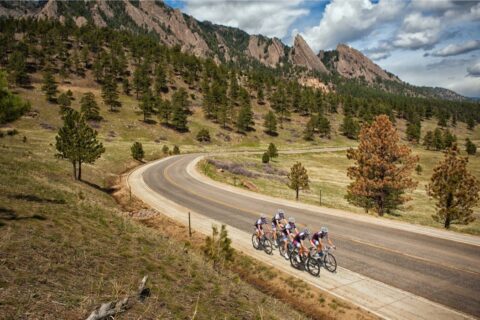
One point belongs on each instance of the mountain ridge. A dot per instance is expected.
(223, 44)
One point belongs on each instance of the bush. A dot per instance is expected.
(265, 157)
(176, 150)
(272, 151)
(165, 149)
(218, 247)
(203, 135)
(419, 169)
(137, 151)
(12, 132)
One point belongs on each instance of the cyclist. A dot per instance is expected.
(278, 222)
(298, 241)
(317, 238)
(259, 225)
(289, 231)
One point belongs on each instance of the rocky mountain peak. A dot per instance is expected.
(303, 55)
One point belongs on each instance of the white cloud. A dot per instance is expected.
(270, 18)
(345, 21)
(418, 31)
(474, 70)
(455, 49)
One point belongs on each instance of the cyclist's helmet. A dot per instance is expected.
(291, 220)
(281, 213)
(306, 231)
(324, 230)
(263, 217)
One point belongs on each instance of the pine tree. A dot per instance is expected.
(381, 173)
(471, 123)
(265, 157)
(89, 107)
(448, 139)
(272, 150)
(455, 190)
(270, 123)
(176, 149)
(428, 140)
(49, 86)
(309, 132)
(438, 142)
(165, 149)
(323, 126)
(350, 127)
(203, 135)
(147, 105)
(17, 69)
(126, 86)
(164, 110)
(161, 85)
(245, 118)
(298, 178)
(280, 104)
(414, 131)
(77, 142)
(180, 110)
(141, 79)
(64, 100)
(110, 93)
(137, 151)
(470, 147)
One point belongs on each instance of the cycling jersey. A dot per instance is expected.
(260, 222)
(290, 227)
(276, 219)
(301, 236)
(318, 236)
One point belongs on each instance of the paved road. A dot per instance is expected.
(443, 271)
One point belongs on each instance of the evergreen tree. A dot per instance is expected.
(49, 86)
(137, 151)
(470, 123)
(203, 135)
(438, 142)
(350, 127)
(298, 178)
(77, 142)
(265, 157)
(470, 147)
(180, 110)
(17, 69)
(141, 79)
(270, 123)
(280, 104)
(260, 96)
(176, 149)
(323, 126)
(126, 86)
(272, 150)
(165, 149)
(147, 105)
(309, 132)
(245, 118)
(164, 110)
(428, 140)
(161, 85)
(381, 173)
(11, 106)
(455, 190)
(414, 131)
(110, 93)
(64, 100)
(448, 139)
(89, 107)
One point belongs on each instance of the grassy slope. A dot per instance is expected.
(65, 248)
(327, 172)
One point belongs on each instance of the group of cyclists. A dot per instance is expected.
(289, 232)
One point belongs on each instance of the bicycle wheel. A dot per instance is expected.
(281, 249)
(255, 242)
(295, 260)
(267, 246)
(313, 267)
(330, 262)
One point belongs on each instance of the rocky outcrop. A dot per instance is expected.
(302, 55)
(351, 63)
(270, 52)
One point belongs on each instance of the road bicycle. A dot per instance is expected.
(305, 262)
(326, 259)
(262, 243)
(281, 247)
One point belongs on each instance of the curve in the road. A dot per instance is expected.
(440, 270)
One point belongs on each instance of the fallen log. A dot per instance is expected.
(112, 308)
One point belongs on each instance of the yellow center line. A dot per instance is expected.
(170, 180)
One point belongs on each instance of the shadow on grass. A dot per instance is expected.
(34, 198)
(9, 214)
(108, 190)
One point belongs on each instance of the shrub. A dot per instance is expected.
(176, 150)
(203, 135)
(165, 149)
(265, 157)
(137, 151)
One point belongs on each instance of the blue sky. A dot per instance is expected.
(424, 42)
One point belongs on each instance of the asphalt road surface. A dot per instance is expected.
(440, 270)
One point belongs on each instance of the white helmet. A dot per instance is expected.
(306, 231)
(291, 220)
(324, 230)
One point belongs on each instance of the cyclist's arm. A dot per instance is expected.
(330, 242)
